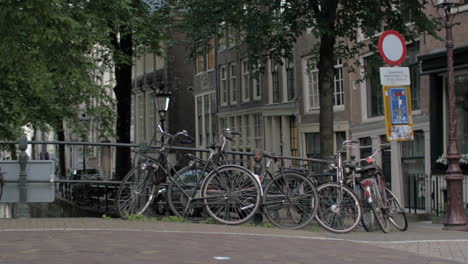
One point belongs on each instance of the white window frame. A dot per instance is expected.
(308, 105)
(256, 83)
(223, 85)
(311, 91)
(245, 81)
(338, 91)
(204, 140)
(233, 83)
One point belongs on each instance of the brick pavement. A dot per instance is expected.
(104, 241)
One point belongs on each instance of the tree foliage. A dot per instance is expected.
(270, 28)
(47, 68)
(53, 52)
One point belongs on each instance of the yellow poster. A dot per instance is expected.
(398, 114)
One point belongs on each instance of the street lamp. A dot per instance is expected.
(162, 98)
(455, 213)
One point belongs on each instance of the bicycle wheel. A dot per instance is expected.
(231, 194)
(396, 214)
(339, 208)
(181, 189)
(136, 192)
(290, 201)
(367, 219)
(378, 209)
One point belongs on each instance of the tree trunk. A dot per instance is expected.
(123, 77)
(33, 147)
(61, 150)
(13, 153)
(326, 74)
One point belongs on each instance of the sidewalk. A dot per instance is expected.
(72, 240)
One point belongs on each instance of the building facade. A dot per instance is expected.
(169, 71)
(277, 109)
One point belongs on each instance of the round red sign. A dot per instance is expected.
(392, 47)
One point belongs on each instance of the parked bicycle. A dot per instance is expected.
(231, 194)
(380, 205)
(339, 208)
(290, 200)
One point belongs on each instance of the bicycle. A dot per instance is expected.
(290, 200)
(380, 203)
(230, 193)
(291, 205)
(339, 209)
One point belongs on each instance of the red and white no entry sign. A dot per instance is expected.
(392, 47)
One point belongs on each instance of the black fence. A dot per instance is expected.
(428, 193)
(92, 195)
(97, 192)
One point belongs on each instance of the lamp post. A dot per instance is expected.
(455, 212)
(162, 99)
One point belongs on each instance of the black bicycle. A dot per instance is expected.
(229, 193)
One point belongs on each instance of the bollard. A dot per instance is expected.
(23, 207)
(257, 219)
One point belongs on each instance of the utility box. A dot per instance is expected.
(40, 176)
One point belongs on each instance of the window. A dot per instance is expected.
(290, 79)
(413, 148)
(232, 83)
(461, 93)
(205, 119)
(339, 138)
(312, 145)
(312, 87)
(211, 54)
(222, 124)
(151, 122)
(200, 120)
(247, 130)
(275, 83)
(245, 81)
(366, 148)
(313, 149)
(239, 128)
(213, 116)
(207, 115)
(386, 160)
(293, 142)
(258, 129)
(222, 37)
(223, 86)
(374, 89)
(200, 65)
(206, 60)
(232, 123)
(141, 118)
(411, 61)
(338, 83)
(256, 83)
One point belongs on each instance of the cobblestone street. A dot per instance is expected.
(72, 240)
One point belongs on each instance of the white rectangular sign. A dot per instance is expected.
(394, 76)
